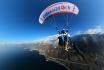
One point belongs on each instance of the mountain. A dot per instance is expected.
(87, 49)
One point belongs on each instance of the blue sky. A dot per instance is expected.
(19, 19)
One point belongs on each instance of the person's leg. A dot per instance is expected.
(66, 46)
(66, 43)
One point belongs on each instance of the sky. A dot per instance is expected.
(19, 19)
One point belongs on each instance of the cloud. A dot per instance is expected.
(49, 39)
(95, 30)
(78, 32)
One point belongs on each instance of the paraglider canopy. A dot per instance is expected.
(58, 8)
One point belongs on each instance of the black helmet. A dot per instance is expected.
(63, 31)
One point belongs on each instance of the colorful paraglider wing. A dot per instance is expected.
(58, 8)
